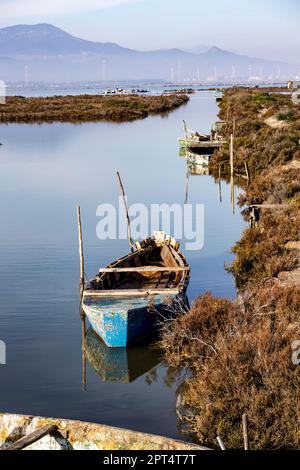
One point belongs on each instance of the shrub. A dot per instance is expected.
(240, 361)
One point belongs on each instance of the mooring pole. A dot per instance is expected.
(127, 214)
(221, 443)
(185, 131)
(247, 172)
(245, 432)
(81, 257)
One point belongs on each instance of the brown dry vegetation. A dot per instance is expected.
(239, 353)
(240, 358)
(262, 253)
(85, 108)
(256, 143)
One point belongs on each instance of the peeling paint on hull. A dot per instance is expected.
(120, 322)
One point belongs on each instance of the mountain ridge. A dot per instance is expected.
(46, 49)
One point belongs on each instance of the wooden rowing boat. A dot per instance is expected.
(19, 432)
(193, 140)
(125, 301)
(192, 143)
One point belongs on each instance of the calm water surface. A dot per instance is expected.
(45, 171)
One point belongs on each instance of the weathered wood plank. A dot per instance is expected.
(129, 292)
(33, 437)
(269, 206)
(143, 269)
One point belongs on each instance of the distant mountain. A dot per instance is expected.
(44, 52)
(197, 49)
(45, 40)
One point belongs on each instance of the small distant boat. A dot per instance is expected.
(219, 95)
(193, 140)
(206, 142)
(126, 300)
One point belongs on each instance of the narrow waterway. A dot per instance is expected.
(45, 171)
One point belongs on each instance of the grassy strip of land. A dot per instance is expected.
(266, 128)
(240, 353)
(87, 108)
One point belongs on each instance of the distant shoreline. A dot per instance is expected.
(86, 108)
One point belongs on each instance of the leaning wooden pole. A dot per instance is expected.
(81, 257)
(221, 443)
(185, 130)
(127, 213)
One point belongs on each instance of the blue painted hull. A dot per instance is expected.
(122, 322)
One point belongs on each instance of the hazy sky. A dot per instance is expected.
(261, 28)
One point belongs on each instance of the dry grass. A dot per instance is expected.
(240, 359)
(256, 143)
(239, 353)
(85, 108)
(262, 252)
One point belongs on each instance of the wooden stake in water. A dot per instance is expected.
(245, 432)
(127, 214)
(247, 172)
(221, 443)
(81, 281)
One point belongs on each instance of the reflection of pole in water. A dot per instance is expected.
(232, 171)
(187, 182)
(231, 155)
(232, 194)
(187, 164)
(220, 184)
(83, 337)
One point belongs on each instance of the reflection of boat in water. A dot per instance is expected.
(219, 95)
(198, 164)
(119, 364)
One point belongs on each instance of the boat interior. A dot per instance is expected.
(151, 267)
